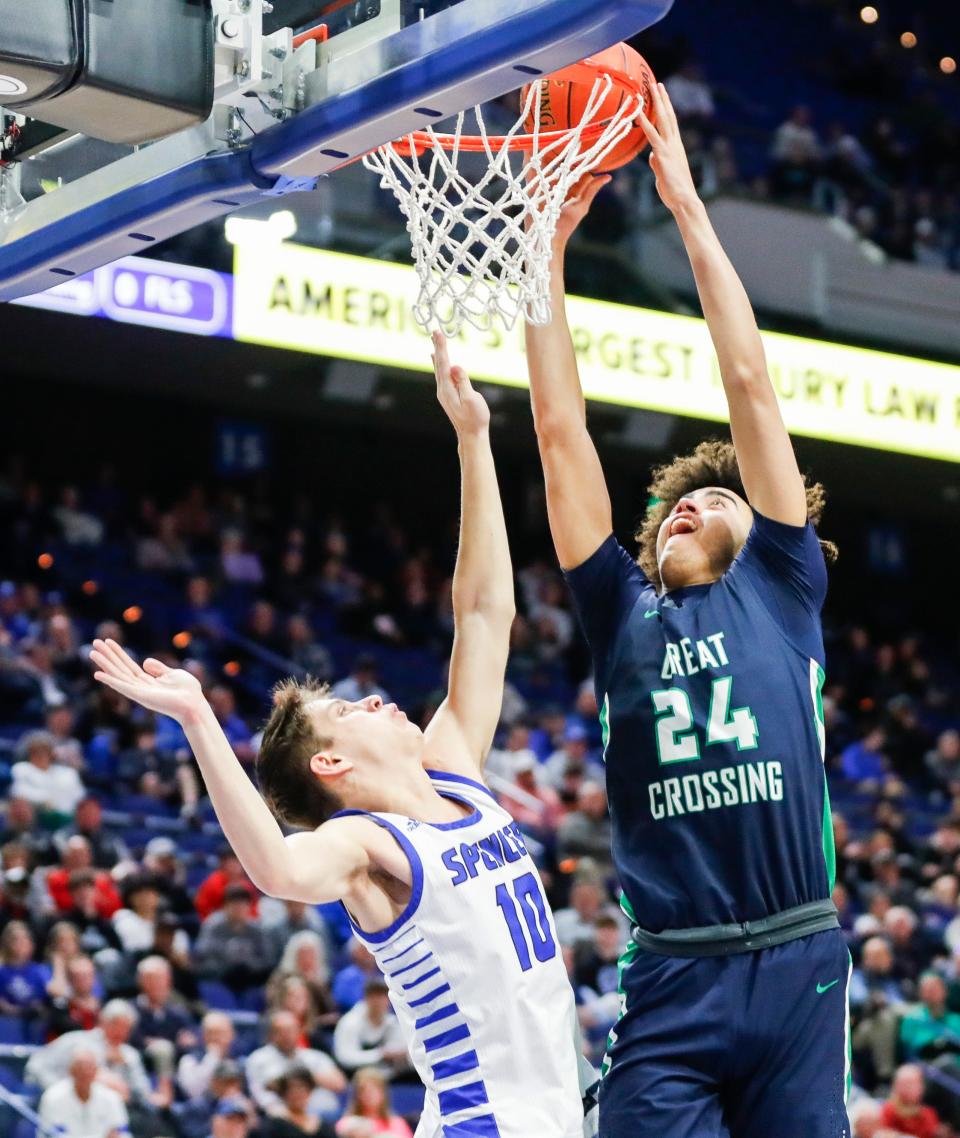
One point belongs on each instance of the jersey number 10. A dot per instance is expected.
(533, 908)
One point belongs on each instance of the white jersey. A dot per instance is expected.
(477, 978)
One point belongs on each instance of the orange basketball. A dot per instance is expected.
(564, 96)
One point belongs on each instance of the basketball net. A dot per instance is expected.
(482, 249)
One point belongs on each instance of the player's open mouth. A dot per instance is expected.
(682, 524)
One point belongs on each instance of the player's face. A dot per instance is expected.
(701, 536)
(368, 731)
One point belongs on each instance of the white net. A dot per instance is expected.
(482, 246)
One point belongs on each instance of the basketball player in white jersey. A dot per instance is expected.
(398, 825)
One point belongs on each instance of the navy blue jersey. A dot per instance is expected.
(713, 730)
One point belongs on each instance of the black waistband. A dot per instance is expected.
(726, 940)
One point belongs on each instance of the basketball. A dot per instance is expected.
(564, 97)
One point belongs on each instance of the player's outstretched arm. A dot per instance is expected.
(310, 867)
(578, 504)
(764, 451)
(462, 730)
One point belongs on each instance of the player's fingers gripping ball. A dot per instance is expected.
(564, 97)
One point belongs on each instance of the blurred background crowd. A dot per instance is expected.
(143, 981)
(131, 943)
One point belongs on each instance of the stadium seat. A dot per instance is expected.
(12, 1030)
(217, 995)
(406, 1098)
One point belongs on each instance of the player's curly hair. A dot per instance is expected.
(292, 792)
(712, 463)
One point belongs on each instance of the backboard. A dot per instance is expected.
(301, 88)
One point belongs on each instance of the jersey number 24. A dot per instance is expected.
(677, 739)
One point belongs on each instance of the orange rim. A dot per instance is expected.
(585, 71)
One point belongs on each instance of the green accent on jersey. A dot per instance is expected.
(626, 958)
(605, 723)
(848, 1082)
(821, 988)
(649, 613)
(829, 846)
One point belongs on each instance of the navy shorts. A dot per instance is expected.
(754, 1045)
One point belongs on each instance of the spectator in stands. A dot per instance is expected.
(135, 923)
(362, 681)
(943, 762)
(37, 661)
(283, 920)
(233, 946)
(162, 862)
(595, 978)
(369, 1113)
(904, 1111)
(23, 983)
(164, 551)
(231, 1118)
(196, 1069)
(74, 1000)
(796, 156)
(901, 926)
(350, 981)
(873, 979)
(929, 1029)
(304, 960)
(78, 526)
(293, 995)
(78, 856)
(21, 827)
(239, 564)
(171, 773)
(210, 895)
(876, 1002)
(864, 762)
(165, 1028)
(224, 705)
(536, 808)
(576, 923)
(293, 1117)
(95, 931)
(106, 849)
(54, 789)
(66, 747)
(227, 1082)
(120, 1064)
(585, 832)
(369, 1034)
(82, 1106)
(15, 895)
(573, 752)
(282, 1050)
(691, 96)
(171, 942)
(502, 760)
(305, 652)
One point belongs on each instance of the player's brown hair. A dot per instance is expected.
(293, 793)
(712, 463)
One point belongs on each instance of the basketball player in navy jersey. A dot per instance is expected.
(708, 658)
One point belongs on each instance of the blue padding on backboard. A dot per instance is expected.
(418, 68)
(128, 222)
(499, 45)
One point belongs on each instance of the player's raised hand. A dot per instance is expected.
(167, 691)
(465, 408)
(668, 158)
(577, 205)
